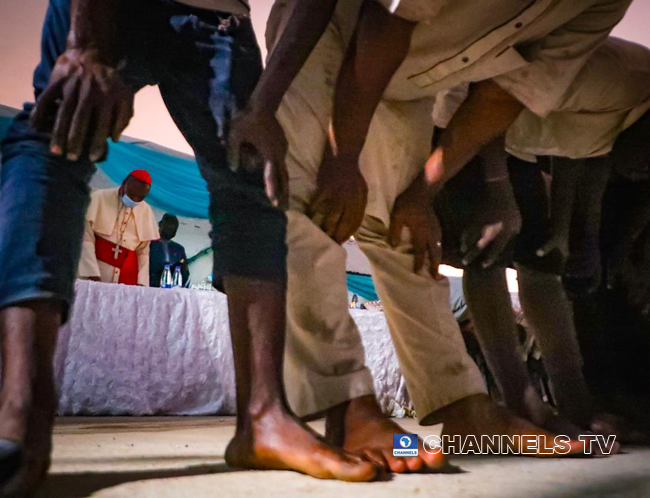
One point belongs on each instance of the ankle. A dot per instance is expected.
(16, 404)
(260, 412)
(363, 407)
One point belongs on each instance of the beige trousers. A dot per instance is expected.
(324, 363)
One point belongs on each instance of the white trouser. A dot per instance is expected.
(325, 362)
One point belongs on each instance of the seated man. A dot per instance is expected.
(119, 228)
(347, 168)
(599, 105)
(167, 252)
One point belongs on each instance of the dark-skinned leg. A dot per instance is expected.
(268, 435)
(221, 67)
(549, 313)
(486, 291)
(28, 398)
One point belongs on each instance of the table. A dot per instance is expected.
(130, 350)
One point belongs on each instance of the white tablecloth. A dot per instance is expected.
(143, 351)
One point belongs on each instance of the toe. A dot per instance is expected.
(397, 465)
(414, 464)
(377, 457)
(355, 469)
(434, 460)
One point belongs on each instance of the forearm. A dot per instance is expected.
(94, 26)
(485, 116)
(379, 45)
(307, 24)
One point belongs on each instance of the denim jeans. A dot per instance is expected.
(206, 65)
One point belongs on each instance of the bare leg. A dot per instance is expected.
(28, 398)
(583, 269)
(360, 427)
(486, 291)
(549, 312)
(268, 435)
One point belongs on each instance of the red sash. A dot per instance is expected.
(126, 261)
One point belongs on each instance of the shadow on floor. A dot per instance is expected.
(628, 486)
(80, 485)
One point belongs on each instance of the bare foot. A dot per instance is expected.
(278, 441)
(479, 416)
(626, 431)
(30, 429)
(34, 459)
(28, 398)
(359, 427)
(542, 415)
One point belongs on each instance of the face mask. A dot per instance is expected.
(128, 202)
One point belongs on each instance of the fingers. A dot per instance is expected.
(474, 250)
(275, 185)
(495, 250)
(471, 254)
(351, 219)
(331, 221)
(279, 156)
(395, 230)
(123, 115)
(546, 248)
(490, 233)
(234, 146)
(102, 130)
(46, 107)
(64, 117)
(419, 245)
(80, 121)
(434, 169)
(435, 256)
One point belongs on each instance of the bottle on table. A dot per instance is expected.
(355, 302)
(166, 281)
(178, 277)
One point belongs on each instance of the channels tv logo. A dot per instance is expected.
(405, 445)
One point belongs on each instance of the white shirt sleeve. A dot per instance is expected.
(556, 59)
(88, 266)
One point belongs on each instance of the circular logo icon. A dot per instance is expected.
(405, 441)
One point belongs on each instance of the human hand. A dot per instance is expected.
(496, 223)
(257, 142)
(339, 204)
(413, 211)
(559, 241)
(85, 103)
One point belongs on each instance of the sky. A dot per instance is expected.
(20, 26)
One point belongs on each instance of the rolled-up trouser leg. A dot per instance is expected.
(430, 348)
(43, 200)
(432, 355)
(325, 360)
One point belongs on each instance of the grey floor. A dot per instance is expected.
(183, 457)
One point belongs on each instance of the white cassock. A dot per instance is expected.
(115, 233)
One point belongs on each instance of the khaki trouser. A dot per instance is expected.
(325, 363)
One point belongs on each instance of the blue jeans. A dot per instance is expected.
(206, 65)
